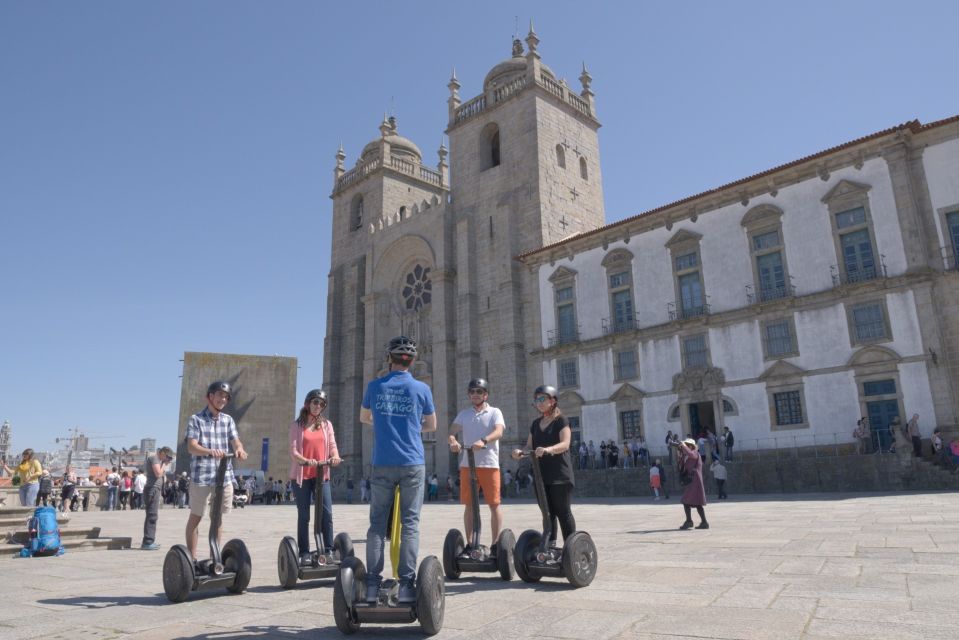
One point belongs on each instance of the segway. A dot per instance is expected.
(230, 568)
(350, 608)
(577, 561)
(291, 568)
(477, 558)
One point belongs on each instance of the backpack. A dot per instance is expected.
(114, 480)
(46, 484)
(44, 534)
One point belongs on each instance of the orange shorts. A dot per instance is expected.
(654, 482)
(488, 480)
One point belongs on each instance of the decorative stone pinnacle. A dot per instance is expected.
(385, 126)
(531, 40)
(454, 84)
(585, 79)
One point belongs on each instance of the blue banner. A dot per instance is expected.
(265, 458)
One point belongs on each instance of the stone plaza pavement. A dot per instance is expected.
(799, 566)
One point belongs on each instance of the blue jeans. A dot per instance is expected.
(112, 498)
(384, 480)
(304, 494)
(28, 494)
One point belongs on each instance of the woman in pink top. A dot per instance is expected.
(312, 442)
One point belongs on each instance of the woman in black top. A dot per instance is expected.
(549, 438)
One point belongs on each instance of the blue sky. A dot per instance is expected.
(165, 168)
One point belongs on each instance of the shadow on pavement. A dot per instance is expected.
(102, 602)
(498, 584)
(273, 631)
(642, 533)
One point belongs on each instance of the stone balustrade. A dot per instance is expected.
(500, 94)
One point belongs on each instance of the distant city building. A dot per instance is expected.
(263, 404)
(148, 445)
(6, 434)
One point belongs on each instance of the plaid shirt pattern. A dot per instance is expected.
(210, 433)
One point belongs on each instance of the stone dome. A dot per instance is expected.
(511, 68)
(399, 146)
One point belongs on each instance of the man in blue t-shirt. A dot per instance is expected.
(399, 408)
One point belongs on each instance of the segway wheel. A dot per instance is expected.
(452, 548)
(342, 546)
(504, 554)
(349, 586)
(236, 559)
(177, 573)
(525, 552)
(288, 562)
(580, 559)
(430, 596)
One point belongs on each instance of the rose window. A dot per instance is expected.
(418, 289)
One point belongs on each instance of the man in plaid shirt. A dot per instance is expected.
(209, 435)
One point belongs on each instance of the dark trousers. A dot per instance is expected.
(917, 446)
(721, 488)
(304, 494)
(151, 498)
(559, 504)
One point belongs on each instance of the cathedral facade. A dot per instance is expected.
(775, 305)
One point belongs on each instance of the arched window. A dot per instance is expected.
(560, 156)
(402, 213)
(489, 147)
(583, 172)
(356, 212)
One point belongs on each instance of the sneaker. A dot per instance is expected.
(703, 525)
(407, 594)
(372, 593)
(153, 546)
(306, 559)
(686, 525)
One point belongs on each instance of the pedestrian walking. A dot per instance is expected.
(670, 442)
(45, 488)
(719, 474)
(663, 480)
(654, 481)
(156, 466)
(728, 441)
(912, 429)
(113, 489)
(694, 493)
(139, 484)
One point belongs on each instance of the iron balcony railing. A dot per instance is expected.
(768, 294)
(678, 312)
(620, 324)
(853, 276)
(556, 337)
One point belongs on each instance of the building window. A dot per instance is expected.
(695, 352)
(564, 300)
(779, 338)
(356, 213)
(674, 413)
(788, 408)
(402, 213)
(568, 373)
(630, 424)
(763, 225)
(690, 297)
(489, 147)
(583, 171)
(868, 322)
(619, 277)
(624, 367)
(952, 238)
(560, 156)
(848, 204)
(879, 388)
(729, 407)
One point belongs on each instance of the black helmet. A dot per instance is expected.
(316, 394)
(402, 346)
(479, 383)
(545, 389)
(220, 385)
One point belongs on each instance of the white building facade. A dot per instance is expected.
(784, 306)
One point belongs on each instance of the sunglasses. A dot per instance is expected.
(477, 392)
(541, 398)
(319, 402)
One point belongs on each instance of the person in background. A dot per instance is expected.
(694, 495)
(156, 466)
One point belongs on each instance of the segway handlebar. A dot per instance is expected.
(319, 463)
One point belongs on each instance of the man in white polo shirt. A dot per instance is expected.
(482, 427)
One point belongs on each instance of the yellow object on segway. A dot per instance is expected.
(395, 528)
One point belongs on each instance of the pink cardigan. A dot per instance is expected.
(296, 446)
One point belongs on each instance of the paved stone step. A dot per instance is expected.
(19, 519)
(22, 536)
(79, 544)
